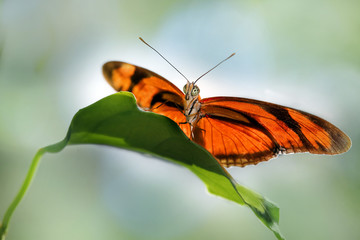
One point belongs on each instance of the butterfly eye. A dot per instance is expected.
(195, 91)
(185, 88)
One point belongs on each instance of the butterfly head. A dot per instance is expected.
(191, 91)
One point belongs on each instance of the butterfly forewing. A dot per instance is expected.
(152, 91)
(148, 87)
(261, 130)
(237, 131)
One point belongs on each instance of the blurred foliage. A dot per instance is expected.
(302, 54)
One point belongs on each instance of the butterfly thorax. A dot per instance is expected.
(192, 104)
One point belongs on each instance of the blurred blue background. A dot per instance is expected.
(303, 54)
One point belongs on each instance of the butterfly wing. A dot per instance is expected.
(152, 91)
(240, 131)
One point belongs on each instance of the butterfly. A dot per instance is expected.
(236, 131)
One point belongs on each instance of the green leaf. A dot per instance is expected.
(117, 121)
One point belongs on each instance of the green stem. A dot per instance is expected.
(27, 182)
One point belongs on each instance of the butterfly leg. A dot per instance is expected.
(279, 150)
(192, 131)
(158, 105)
(165, 102)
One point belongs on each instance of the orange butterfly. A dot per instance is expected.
(237, 131)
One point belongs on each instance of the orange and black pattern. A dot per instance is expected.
(262, 130)
(237, 131)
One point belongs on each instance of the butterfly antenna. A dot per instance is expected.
(163, 58)
(214, 67)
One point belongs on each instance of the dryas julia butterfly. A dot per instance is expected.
(236, 131)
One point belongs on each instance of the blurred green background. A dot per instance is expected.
(303, 54)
